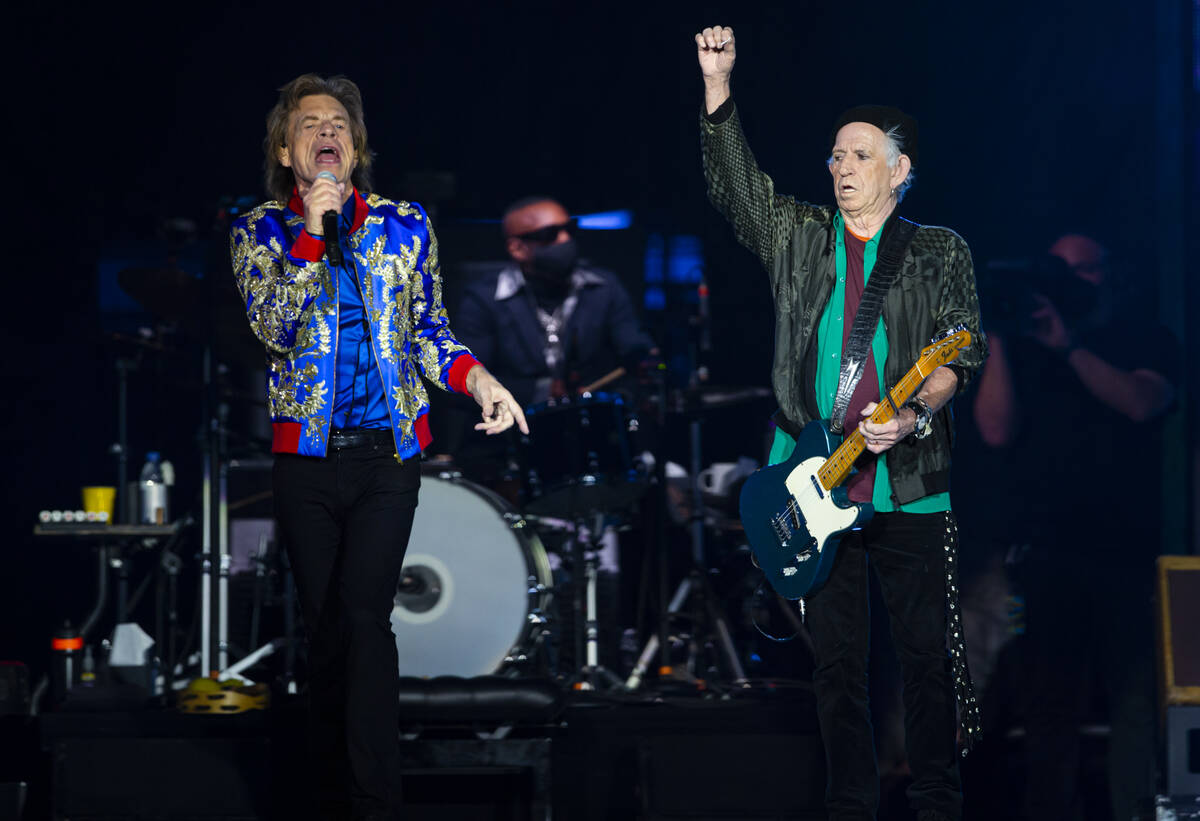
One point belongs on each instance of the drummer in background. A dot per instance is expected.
(551, 325)
(548, 323)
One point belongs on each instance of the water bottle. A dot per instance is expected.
(152, 491)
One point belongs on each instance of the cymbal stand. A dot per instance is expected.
(215, 558)
(695, 582)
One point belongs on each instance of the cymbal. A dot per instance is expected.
(177, 295)
(153, 344)
(715, 396)
(711, 397)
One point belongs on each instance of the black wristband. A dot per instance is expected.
(722, 113)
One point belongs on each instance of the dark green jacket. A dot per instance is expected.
(934, 292)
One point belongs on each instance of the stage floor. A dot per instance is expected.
(751, 754)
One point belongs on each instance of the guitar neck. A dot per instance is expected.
(838, 466)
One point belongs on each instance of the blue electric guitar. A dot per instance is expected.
(795, 512)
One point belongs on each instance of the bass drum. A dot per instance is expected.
(472, 585)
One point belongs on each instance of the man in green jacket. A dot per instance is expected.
(820, 259)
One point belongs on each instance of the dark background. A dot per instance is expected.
(1036, 118)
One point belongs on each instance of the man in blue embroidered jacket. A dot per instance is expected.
(348, 339)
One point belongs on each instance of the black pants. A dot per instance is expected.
(908, 553)
(345, 520)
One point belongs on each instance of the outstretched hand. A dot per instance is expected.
(499, 409)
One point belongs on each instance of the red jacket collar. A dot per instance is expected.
(296, 205)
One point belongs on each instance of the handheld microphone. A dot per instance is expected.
(329, 227)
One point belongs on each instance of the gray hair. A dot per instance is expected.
(895, 147)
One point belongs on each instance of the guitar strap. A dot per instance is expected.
(870, 308)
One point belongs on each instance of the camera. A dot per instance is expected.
(1009, 291)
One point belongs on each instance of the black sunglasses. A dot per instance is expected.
(547, 234)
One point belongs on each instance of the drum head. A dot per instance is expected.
(464, 601)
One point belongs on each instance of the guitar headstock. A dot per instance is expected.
(944, 348)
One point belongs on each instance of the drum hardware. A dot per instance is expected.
(692, 403)
(193, 302)
(205, 309)
(651, 649)
(693, 586)
(578, 456)
(579, 469)
(257, 568)
(592, 675)
(705, 398)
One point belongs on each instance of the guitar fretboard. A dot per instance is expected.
(838, 466)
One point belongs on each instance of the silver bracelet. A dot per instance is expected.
(922, 427)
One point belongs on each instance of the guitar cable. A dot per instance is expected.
(761, 602)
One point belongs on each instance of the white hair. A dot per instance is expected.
(895, 147)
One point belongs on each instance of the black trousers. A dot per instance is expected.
(908, 553)
(345, 520)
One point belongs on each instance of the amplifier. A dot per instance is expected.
(1178, 644)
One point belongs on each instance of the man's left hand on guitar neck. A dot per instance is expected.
(936, 391)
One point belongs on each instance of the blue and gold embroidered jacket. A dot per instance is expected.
(291, 300)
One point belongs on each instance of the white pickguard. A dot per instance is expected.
(821, 516)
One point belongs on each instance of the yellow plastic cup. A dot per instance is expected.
(100, 500)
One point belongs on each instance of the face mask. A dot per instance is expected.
(555, 261)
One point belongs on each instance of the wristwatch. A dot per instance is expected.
(924, 417)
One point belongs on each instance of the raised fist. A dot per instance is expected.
(716, 50)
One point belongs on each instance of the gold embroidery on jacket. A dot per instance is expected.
(403, 209)
(273, 290)
(435, 344)
(395, 271)
(403, 303)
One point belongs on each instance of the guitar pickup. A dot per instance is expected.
(804, 556)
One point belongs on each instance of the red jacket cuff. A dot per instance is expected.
(308, 247)
(457, 378)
